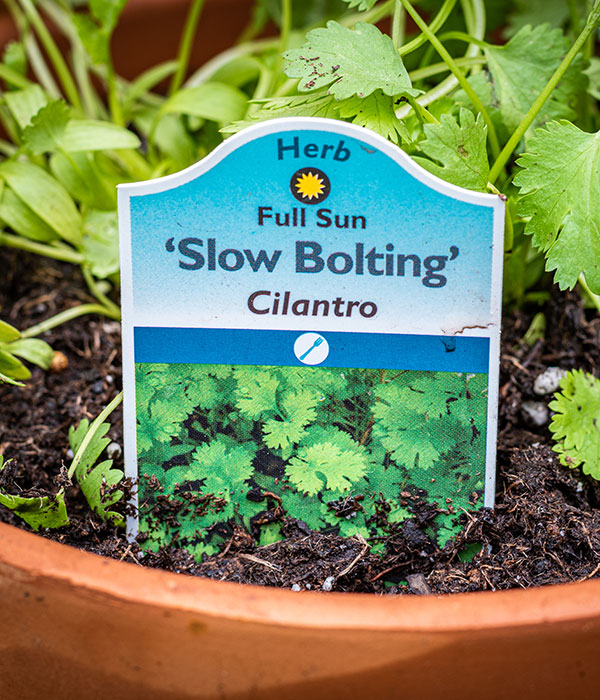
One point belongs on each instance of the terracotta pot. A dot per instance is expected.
(75, 625)
(79, 626)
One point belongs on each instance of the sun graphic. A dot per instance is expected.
(310, 185)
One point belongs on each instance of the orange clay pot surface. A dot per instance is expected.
(82, 627)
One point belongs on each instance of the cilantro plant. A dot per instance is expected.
(337, 448)
(497, 97)
(575, 425)
(98, 482)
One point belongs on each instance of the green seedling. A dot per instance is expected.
(12, 347)
(575, 425)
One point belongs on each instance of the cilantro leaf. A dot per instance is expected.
(95, 32)
(36, 511)
(375, 112)
(575, 425)
(97, 481)
(534, 12)
(353, 61)
(318, 105)
(47, 127)
(519, 70)
(457, 149)
(363, 5)
(560, 190)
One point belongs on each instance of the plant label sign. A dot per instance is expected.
(311, 329)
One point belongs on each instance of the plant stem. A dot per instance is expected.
(594, 298)
(528, 119)
(286, 26)
(435, 68)
(423, 115)
(92, 430)
(13, 78)
(53, 52)
(447, 58)
(66, 316)
(463, 36)
(436, 23)
(96, 291)
(65, 254)
(185, 46)
(398, 24)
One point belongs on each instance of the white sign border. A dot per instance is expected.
(281, 125)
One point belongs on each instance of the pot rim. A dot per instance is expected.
(27, 557)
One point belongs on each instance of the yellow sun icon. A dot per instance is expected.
(310, 185)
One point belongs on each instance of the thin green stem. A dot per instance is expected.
(62, 70)
(436, 23)
(114, 103)
(284, 37)
(535, 108)
(91, 433)
(398, 24)
(436, 68)
(447, 58)
(11, 241)
(423, 115)
(38, 65)
(97, 292)
(66, 316)
(185, 46)
(574, 17)
(463, 36)
(13, 78)
(594, 298)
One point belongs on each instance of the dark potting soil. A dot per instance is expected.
(544, 529)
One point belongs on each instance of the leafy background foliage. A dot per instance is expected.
(216, 442)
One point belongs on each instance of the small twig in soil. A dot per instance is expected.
(591, 574)
(256, 560)
(357, 558)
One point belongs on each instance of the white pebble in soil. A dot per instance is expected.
(547, 382)
(296, 587)
(328, 584)
(535, 412)
(114, 451)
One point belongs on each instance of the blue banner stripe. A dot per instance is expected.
(269, 347)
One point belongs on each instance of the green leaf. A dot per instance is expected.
(37, 511)
(9, 380)
(97, 481)
(101, 243)
(89, 135)
(25, 104)
(46, 197)
(362, 5)
(575, 425)
(33, 350)
(353, 61)
(22, 220)
(215, 101)
(11, 367)
(82, 179)
(535, 12)
(321, 105)
(95, 33)
(457, 150)
(47, 128)
(560, 189)
(15, 57)
(375, 112)
(519, 71)
(8, 333)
